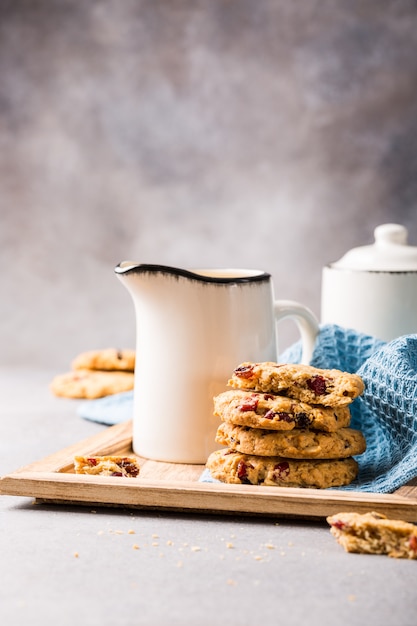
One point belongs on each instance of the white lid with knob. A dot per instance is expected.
(389, 253)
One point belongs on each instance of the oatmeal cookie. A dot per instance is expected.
(91, 384)
(107, 465)
(302, 382)
(230, 466)
(108, 359)
(273, 412)
(373, 533)
(293, 444)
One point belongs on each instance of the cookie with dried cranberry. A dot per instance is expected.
(230, 466)
(108, 359)
(273, 412)
(373, 533)
(107, 466)
(329, 387)
(90, 384)
(294, 444)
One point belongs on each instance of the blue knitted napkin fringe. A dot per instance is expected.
(386, 413)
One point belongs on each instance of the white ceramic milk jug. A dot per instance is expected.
(373, 289)
(193, 328)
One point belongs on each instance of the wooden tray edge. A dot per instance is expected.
(45, 481)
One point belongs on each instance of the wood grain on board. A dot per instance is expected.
(171, 486)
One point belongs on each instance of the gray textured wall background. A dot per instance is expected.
(268, 134)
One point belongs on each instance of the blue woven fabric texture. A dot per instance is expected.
(109, 410)
(386, 413)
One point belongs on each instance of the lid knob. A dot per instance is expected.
(391, 234)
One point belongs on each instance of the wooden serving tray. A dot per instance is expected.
(170, 486)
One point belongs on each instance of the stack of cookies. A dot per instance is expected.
(287, 425)
(97, 373)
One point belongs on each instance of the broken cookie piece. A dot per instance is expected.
(107, 466)
(374, 533)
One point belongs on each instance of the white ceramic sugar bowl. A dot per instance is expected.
(373, 289)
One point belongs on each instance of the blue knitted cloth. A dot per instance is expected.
(109, 410)
(386, 413)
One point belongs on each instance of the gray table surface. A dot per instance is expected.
(65, 565)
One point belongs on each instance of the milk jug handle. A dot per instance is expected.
(306, 321)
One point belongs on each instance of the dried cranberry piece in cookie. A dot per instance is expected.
(303, 421)
(282, 416)
(413, 543)
(337, 523)
(244, 371)
(285, 417)
(130, 468)
(281, 471)
(242, 472)
(317, 384)
(251, 404)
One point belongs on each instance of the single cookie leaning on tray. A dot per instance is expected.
(294, 444)
(302, 382)
(108, 359)
(272, 412)
(373, 533)
(230, 466)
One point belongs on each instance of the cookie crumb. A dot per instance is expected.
(76, 555)
(231, 582)
(131, 532)
(195, 548)
(229, 545)
(135, 546)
